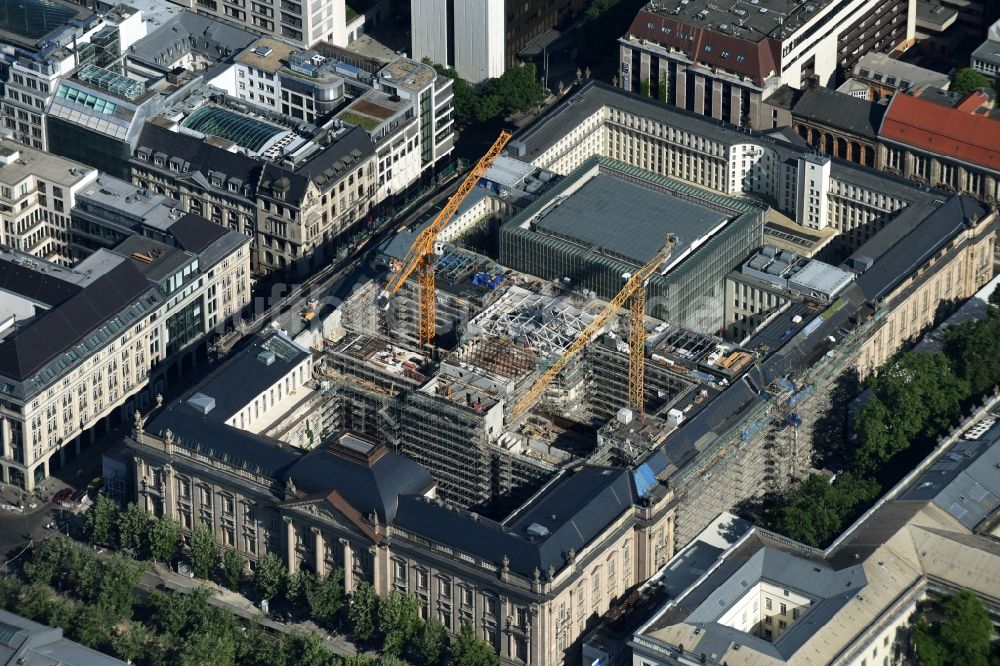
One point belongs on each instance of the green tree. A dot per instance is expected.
(463, 101)
(269, 576)
(398, 617)
(118, 580)
(92, 626)
(100, 520)
(35, 602)
(966, 628)
(307, 650)
(164, 539)
(429, 643)
(994, 298)
(326, 598)
(961, 637)
(363, 611)
(816, 510)
(974, 350)
(260, 649)
(966, 79)
(232, 565)
(644, 88)
(133, 525)
(52, 559)
(926, 646)
(133, 642)
(469, 650)
(298, 587)
(10, 591)
(204, 550)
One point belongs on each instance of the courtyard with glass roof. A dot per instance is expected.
(250, 133)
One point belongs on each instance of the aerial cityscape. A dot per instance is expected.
(496, 332)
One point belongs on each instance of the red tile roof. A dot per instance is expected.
(956, 133)
(757, 60)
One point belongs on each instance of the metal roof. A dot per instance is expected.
(627, 220)
(244, 131)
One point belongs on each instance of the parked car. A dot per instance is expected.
(63, 495)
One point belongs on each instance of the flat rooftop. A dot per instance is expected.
(408, 74)
(751, 20)
(31, 162)
(276, 58)
(627, 220)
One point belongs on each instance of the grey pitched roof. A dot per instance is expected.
(898, 249)
(194, 233)
(58, 329)
(186, 32)
(197, 432)
(29, 643)
(349, 149)
(377, 487)
(44, 288)
(584, 503)
(201, 157)
(964, 480)
(841, 110)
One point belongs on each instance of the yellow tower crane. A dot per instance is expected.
(634, 291)
(420, 257)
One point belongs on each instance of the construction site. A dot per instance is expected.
(525, 377)
(496, 379)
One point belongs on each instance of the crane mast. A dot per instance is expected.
(634, 292)
(420, 258)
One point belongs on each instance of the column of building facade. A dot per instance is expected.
(348, 566)
(320, 551)
(290, 544)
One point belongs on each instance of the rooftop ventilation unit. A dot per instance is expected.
(266, 357)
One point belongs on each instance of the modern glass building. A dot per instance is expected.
(33, 19)
(608, 218)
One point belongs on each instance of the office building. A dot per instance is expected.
(567, 235)
(301, 23)
(83, 347)
(527, 584)
(482, 38)
(723, 62)
(37, 191)
(944, 140)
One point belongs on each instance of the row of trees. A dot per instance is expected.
(912, 400)
(516, 90)
(93, 600)
(392, 626)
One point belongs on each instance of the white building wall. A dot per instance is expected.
(812, 201)
(479, 39)
(428, 25)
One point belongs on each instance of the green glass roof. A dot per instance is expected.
(98, 104)
(244, 131)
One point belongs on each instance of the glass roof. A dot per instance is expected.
(98, 104)
(242, 130)
(33, 18)
(116, 84)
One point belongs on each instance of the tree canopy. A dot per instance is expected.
(966, 79)
(469, 650)
(518, 89)
(961, 637)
